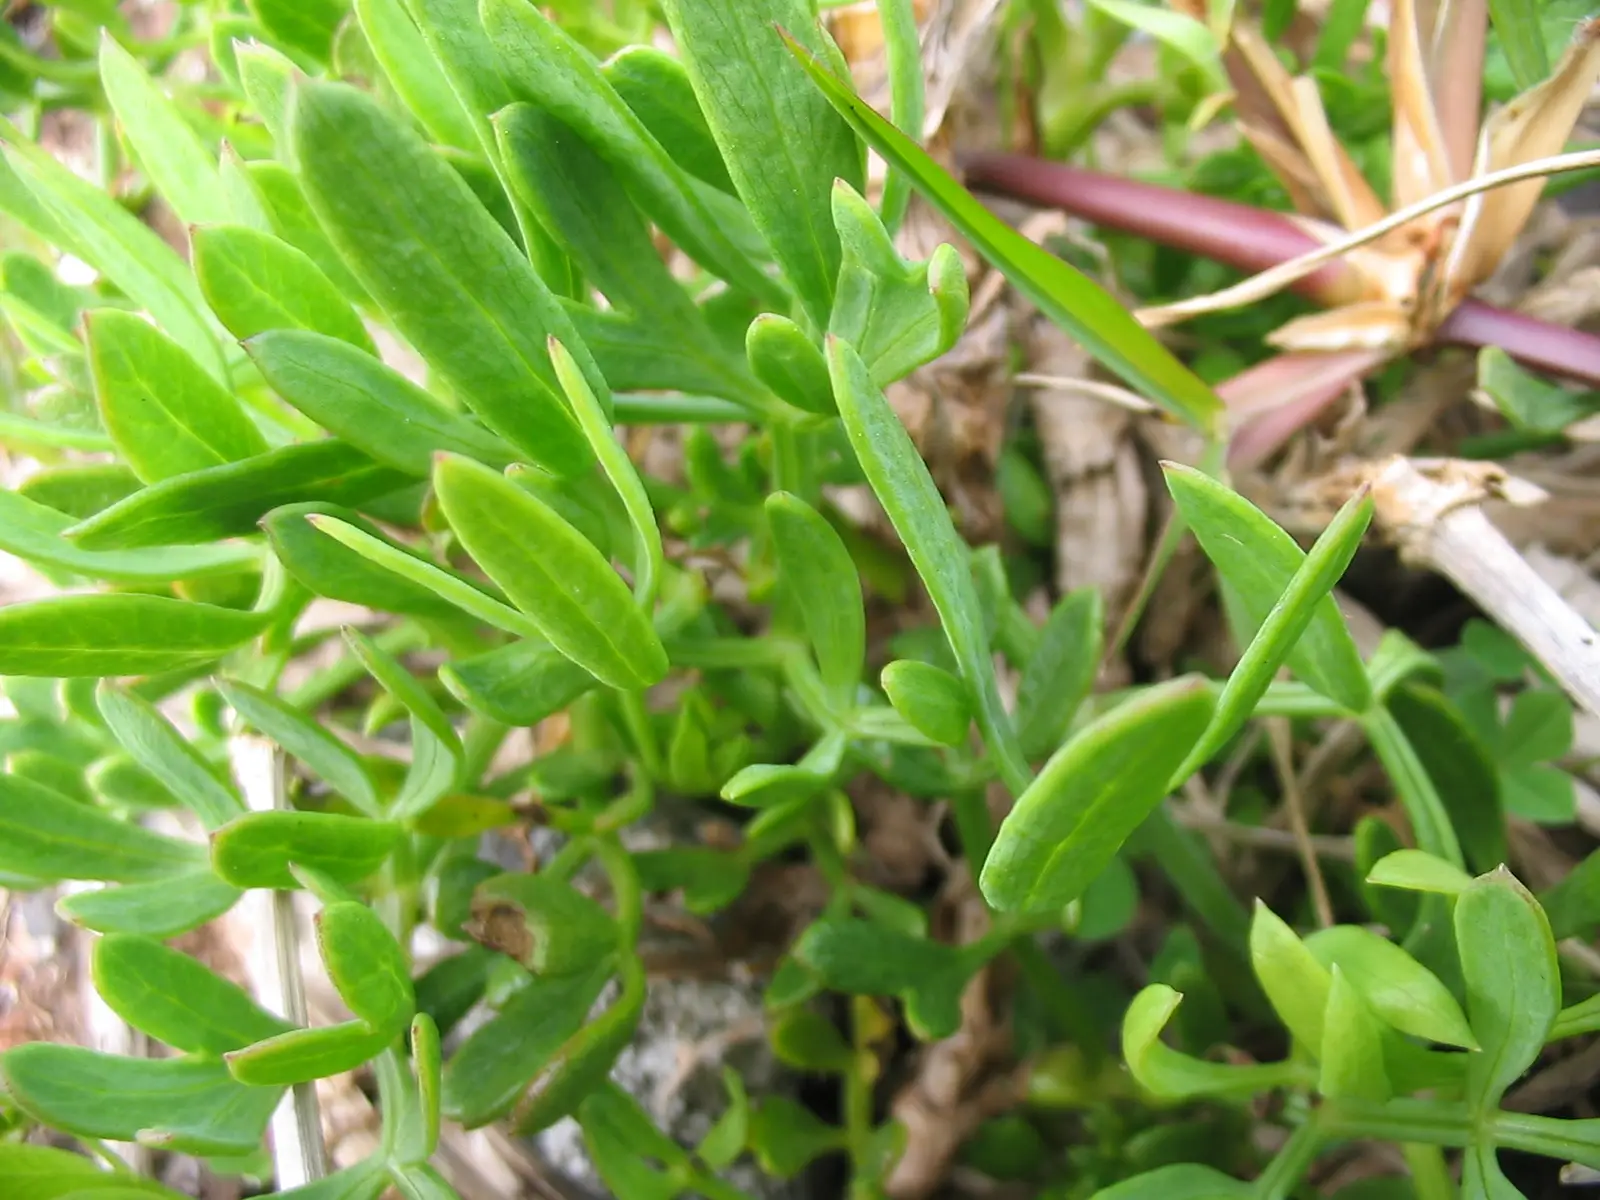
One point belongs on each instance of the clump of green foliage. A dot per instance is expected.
(222, 444)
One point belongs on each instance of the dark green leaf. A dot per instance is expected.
(256, 849)
(176, 1000)
(1538, 729)
(366, 966)
(906, 490)
(1091, 796)
(307, 26)
(255, 282)
(1462, 772)
(153, 743)
(552, 573)
(867, 959)
(166, 415)
(371, 406)
(328, 568)
(785, 1137)
(781, 142)
(544, 923)
(163, 908)
(436, 753)
(184, 1104)
(1513, 983)
(809, 1041)
(1073, 301)
(307, 739)
(544, 65)
(455, 286)
(484, 1078)
(1060, 672)
(1257, 560)
(43, 1173)
(1516, 25)
(79, 491)
(98, 636)
(229, 501)
(292, 220)
(520, 684)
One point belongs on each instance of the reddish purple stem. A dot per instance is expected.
(1254, 239)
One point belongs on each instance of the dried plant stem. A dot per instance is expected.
(1258, 837)
(1282, 745)
(1433, 512)
(1276, 278)
(297, 1151)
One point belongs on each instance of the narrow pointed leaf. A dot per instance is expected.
(255, 282)
(1061, 671)
(552, 573)
(292, 220)
(371, 406)
(172, 156)
(45, 836)
(906, 490)
(454, 284)
(1351, 1052)
(1091, 796)
(436, 754)
(1256, 560)
(103, 635)
(175, 998)
(1400, 989)
(1070, 299)
(657, 87)
(301, 1055)
(415, 74)
(35, 534)
(519, 685)
(230, 500)
(306, 739)
(153, 743)
(166, 415)
(821, 576)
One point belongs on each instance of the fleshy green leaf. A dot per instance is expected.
(1400, 989)
(932, 700)
(103, 635)
(307, 739)
(167, 148)
(366, 966)
(229, 501)
(184, 1104)
(552, 573)
(1073, 301)
(153, 743)
(1418, 871)
(175, 999)
(1351, 1054)
(255, 282)
(782, 144)
(545, 924)
(785, 1136)
(44, 1173)
(35, 533)
(455, 286)
(436, 754)
(544, 65)
(162, 908)
(79, 491)
(300, 1055)
(863, 958)
(788, 362)
(307, 26)
(1256, 560)
(1092, 794)
(901, 481)
(256, 849)
(292, 220)
(658, 89)
(1177, 1181)
(46, 836)
(519, 684)
(821, 578)
(1172, 1075)
(371, 406)
(484, 1078)
(414, 73)
(166, 415)
(1295, 982)
(1513, 982)
(1060, 671)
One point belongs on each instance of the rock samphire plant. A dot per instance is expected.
(431, 257)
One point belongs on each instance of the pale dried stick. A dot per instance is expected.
(1294, 805)
(1432, 510)
(298, 1155)
(1275, 279)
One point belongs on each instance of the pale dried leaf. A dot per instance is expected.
(1455, 74)
(1365, 325)
(1346, 190)
(1420, 162)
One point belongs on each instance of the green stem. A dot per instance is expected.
(1580, 1018)
(858, 1089)
(1186, 863)
(1572, 1141)
(625, 889)
(1434, 1122)
(1071, 124)
(1289, 1164)
(1430, 1176)
(643, 731)
(1420, 798)
(973, 827)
